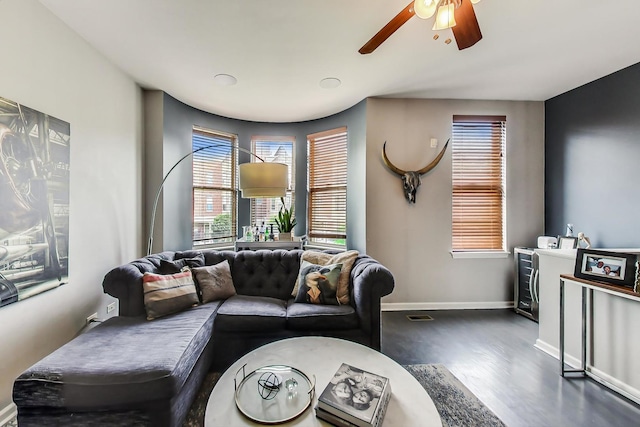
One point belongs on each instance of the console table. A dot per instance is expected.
(588, 288)
(241, 245)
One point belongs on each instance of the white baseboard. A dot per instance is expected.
(419, 306)
(8, 413)
(554, 352)
(596, 374)
(615, 384)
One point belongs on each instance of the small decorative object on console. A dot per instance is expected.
(583, 241)
(616, 268)
(567, 242)
(354, 398)
(569, 232)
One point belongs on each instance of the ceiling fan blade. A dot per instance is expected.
(388, 29)
(467, 31)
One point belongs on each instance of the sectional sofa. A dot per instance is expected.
(132, 371)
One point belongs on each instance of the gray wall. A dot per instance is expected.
(48, 67)
(173, 229)
(414, 240)
(592, 155)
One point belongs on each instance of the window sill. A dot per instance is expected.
(479, 254)
(325, 247)
(219, 247)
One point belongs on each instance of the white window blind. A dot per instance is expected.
(214, 187)
(275, 149)
(478, 164)
(327, 180)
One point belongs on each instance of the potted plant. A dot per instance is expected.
(285, 221)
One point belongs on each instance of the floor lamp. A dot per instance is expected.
(257, 179)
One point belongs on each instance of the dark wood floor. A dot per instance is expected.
(492, 353)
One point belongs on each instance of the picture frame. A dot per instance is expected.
(616, 268)
(567, 242)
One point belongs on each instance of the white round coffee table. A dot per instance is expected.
(320, 356)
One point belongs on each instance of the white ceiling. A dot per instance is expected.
(279, 50)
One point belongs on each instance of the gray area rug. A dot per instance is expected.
(458, 407)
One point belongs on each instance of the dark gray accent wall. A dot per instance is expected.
(174, 223)
(592, 160)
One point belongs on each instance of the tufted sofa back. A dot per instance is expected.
(255, 273)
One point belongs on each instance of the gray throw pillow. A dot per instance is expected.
(177, 265)
(214, 281)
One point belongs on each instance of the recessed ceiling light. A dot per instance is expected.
(330, 83)
(225, 79)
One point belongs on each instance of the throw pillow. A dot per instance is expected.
(214, 281)
(345, 258)
(318, 283)
(166, 294)
(176, 266)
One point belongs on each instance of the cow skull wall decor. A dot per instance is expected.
(411, 179)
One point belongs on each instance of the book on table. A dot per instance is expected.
(354, 398)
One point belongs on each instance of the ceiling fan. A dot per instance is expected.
(455, 14)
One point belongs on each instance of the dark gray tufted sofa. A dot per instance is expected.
(129, 371)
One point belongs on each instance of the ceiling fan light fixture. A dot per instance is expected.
(445, 17)
(425, 9)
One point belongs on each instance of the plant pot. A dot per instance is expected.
(285, 237)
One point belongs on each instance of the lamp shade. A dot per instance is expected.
(262, 179)
(425, 9)
(445, 18)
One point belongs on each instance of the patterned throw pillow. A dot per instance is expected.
(318, 283)
(177, 265)
(166, 294)
(345, 258)
(214, 281)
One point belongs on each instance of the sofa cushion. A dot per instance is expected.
(166, 294)
(316, 317)
(243, 313)
(123, 361)
(214, 282)
(265, 273)
(318, 283)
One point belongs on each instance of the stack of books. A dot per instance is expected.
(354, 398)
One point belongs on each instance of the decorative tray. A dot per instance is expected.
(273, 394)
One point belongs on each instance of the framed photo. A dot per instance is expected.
(616, 268)
(565, 242)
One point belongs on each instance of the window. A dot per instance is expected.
(478, 199)
(273, 149)
(214, 187)
(327, 178)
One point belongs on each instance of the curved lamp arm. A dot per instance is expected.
(155, 202)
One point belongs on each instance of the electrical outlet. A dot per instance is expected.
(94, 316)
(434, 142)
(111, 307)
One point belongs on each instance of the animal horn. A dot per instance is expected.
(388, 162)
(435, 161)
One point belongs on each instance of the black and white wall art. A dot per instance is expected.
(34, 202)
